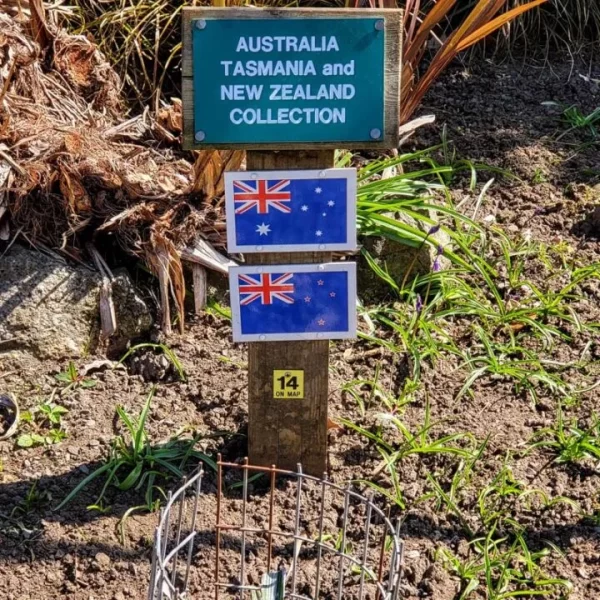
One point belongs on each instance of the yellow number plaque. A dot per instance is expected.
(288, 384)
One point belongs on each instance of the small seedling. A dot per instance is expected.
(45, 423)
(53, 412)
(576, 119)
(30, 440)
(32, 500)
(539, 177)
(73, 379)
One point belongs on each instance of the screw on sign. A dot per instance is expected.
(301, 82)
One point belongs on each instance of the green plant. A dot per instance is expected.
(498, 501)
(71, 377)
(33, 500)
(569, 442)
(539, 176)
(135, 463)
(421, 443)
(499, 559)
(508, 361)
(215, 308)
(508, 318)
(365, 392)
(44, 425)
(53, 412)
(576, 120)
(380, 200)
(504, 568)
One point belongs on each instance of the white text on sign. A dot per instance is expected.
(283, 92)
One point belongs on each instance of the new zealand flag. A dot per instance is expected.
(294, 302)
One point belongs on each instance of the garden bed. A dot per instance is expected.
(455, 490)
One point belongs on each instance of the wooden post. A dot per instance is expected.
(222, 111)
(293, 430)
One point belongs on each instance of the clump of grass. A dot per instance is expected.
(569, 441)
(499, 562)
(420, 443)
(498, 312)
(135, 463)
(141, 40)
(571, 25)
(502, 569)
(487, 295)
(577, 121)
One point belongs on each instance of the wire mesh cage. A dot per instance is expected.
(260, 533)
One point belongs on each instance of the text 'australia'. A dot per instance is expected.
(288, 43)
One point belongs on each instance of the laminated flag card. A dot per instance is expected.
(271, 211)
(293, 302)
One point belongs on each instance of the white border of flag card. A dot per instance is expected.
(293, 302)
(291, 211)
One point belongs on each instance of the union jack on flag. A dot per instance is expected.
(262, 195)
(266, 288)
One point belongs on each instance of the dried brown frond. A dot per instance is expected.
(74, 168)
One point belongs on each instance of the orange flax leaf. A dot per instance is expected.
(490, 10)
(441, 60)
(437, 13)
(457, 42)
(448, 49)
(411, 18)
(477, 17)
(449, 46)
(496, 23)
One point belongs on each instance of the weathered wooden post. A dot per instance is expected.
(290, 86)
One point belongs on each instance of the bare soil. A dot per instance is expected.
(494, 115)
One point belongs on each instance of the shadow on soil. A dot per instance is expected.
(27, 507)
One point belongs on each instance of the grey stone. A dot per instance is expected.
(399, 259)
(102, 561)
(133, 315)
(51, 309)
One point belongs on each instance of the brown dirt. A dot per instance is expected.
(494, 115)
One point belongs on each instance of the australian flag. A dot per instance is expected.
(288, 212)
(294, 300)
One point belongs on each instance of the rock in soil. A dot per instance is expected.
(51, 309)
(398, 260)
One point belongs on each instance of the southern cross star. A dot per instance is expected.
(263, 229)
(304, 208)
(307, 299)
(318, 190)
(318, 233)
(321, 322)
(331, 203)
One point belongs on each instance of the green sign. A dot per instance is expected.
(287, 80)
